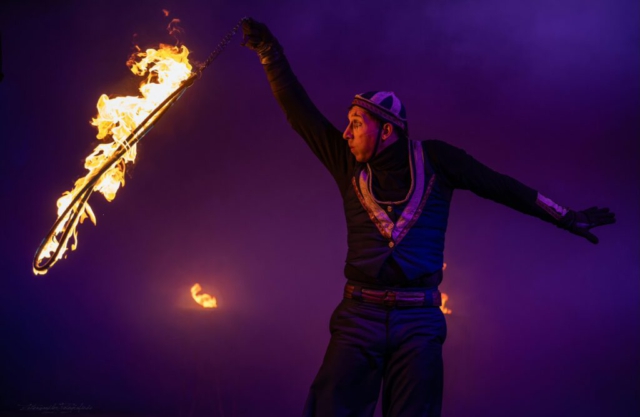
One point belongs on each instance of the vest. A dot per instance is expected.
(416, 239)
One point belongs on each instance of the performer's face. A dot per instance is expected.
(361, 133)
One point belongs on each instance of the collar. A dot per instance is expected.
(395, 157)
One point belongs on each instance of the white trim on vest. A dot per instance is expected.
(417, 197)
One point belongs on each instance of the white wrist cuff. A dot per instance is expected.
(555, 210)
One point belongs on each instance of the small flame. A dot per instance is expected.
(444, 296)
(165, 69)
(173, 28)
(205, 300)
(444, 309)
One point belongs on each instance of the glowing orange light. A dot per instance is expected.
(205, 300)
(444, 309)
(444, 296)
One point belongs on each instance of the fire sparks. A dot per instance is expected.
(205, 300)
(125, 120)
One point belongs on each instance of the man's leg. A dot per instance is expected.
(413, 376)
(348, 382)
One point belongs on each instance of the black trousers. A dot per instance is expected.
(400, 347)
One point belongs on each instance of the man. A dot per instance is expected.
(389, 329)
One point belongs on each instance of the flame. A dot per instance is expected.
(444, 309)
(205, 300)
(444, 296)
(173, 28)
(164, 69)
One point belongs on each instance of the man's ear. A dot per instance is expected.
(387, 131)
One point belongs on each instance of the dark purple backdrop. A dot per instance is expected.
(225, 194)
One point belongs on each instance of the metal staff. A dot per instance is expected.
(72, 215)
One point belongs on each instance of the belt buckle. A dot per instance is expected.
(390, 298)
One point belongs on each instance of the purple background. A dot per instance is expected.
(225, 194)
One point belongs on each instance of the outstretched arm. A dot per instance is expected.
(320, 135)
(461, 170)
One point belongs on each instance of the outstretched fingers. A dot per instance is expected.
(600, 216)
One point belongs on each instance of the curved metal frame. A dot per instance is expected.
(72, 214)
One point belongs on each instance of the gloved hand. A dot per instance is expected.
(580, 222)
(258, 37)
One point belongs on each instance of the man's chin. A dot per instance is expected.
(359, 157)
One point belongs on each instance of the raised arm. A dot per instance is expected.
(461, 170)
(322, 137)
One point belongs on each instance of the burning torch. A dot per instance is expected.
(126, 120)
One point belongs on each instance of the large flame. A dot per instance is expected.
(164, 69)
(205, 300)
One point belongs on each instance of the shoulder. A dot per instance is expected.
(437, 145)
(440, 152)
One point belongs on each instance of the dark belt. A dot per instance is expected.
(393, 298)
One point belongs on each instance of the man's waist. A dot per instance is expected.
(391, 276)
(392, 297)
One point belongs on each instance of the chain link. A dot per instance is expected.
(222, 45)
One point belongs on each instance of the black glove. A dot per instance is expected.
(258, 37)
(580, 222)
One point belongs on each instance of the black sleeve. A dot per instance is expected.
(460, 170)
(320, 135)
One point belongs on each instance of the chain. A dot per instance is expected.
(222, 45)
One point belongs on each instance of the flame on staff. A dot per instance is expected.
(124, 120)
(205, 300)
(166, 68)
(170, 70)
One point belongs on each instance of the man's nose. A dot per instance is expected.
(347, 133)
